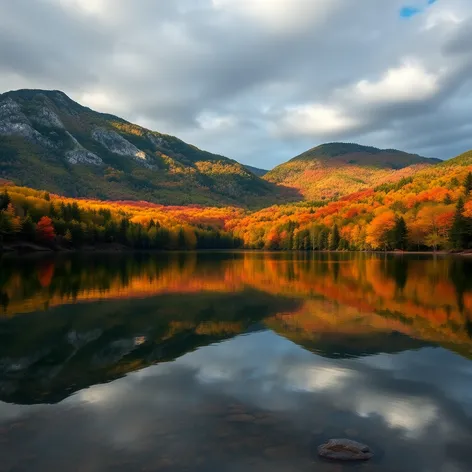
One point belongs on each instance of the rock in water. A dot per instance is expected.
(345, 450)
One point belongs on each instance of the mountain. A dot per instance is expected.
(336, 169)
(256, 170)
(48, 141)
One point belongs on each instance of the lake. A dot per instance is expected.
(235, 361)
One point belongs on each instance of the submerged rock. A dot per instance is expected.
(345, 450)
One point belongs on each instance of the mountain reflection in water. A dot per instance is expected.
(234, 361)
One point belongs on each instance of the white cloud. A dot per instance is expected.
(281, 15)
(442, 18)
(89, 7)
(315, 119)
(212, 121)
(411, 414)
(409, 82)
(319, 378)
(97, 100)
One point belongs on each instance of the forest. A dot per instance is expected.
(431, 210)
(34, 217)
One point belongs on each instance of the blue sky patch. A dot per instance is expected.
(409, 11)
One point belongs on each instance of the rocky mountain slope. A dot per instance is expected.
(335, 169)
(48, 141)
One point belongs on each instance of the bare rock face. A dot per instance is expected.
(46, 117)
(13, 122)
(80, 155)
(115, 143)
(345, 450)
(157, 140)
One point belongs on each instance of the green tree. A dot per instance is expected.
(68, 236)
(162, 239)
(447, 199)
(453, 183)
(458, 233)
(323, 236)
(334, 238)
(399, 237)
(6, 227)
(181, 243)
(468, 184)
(28, 229)
(4, 200)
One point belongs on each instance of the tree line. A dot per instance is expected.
(38, 219)
(414, 214)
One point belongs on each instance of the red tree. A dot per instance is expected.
(45, 230)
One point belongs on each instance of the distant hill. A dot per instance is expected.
(48, 141)
(256, 170)
(336, 169)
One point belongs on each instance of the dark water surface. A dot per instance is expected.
(235, 362)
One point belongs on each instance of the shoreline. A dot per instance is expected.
(26, 249)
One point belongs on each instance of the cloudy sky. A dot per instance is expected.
(256, 80)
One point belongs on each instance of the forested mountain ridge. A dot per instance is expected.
(48, 141)
(335, 169)
(429, 210)
(256, 170)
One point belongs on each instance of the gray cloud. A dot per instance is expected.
(259, 80)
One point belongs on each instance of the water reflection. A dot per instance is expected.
(235, 362)
(116, 314)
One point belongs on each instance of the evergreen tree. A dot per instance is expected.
(304, 240)
(6, 227)
(52, 210)
(334, 238)
(468, 184)
(296, 241)
(399, 234)
(323, 239)
(68, 236)
(28, 229)
(4, 200)
(447, 199)
(75, 211)
(181, 243)
(162, 240)
(458, 233)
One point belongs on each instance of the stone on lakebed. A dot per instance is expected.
(345, 450)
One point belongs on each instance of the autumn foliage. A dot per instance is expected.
(45, 230)
(430, 211)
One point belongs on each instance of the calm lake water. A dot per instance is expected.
(234, 362)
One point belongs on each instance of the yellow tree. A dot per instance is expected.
(432, 225)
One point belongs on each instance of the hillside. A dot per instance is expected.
(48, 141)
(427, 211)
(336, 169)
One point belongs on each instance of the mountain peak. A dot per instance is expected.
(47, 140)
(334, 169)
(31, 94)
(337, 149)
